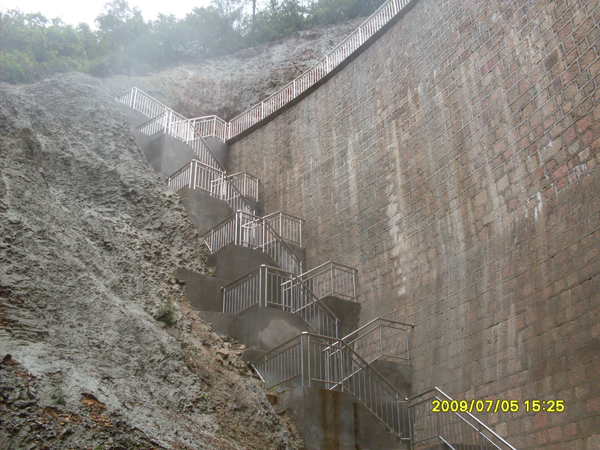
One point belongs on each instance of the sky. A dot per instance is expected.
(74, 12)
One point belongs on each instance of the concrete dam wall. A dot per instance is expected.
(454, 163)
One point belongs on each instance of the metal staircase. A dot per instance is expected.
(336, 364)
(198, 175)
(248, 230)
(320, 361)
(272, 287)
(244, 227)
(317, 358)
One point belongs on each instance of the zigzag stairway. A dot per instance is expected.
(350, 392)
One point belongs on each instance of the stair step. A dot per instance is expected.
(234, 261)
(205, 211)
(258, 328)
(202, 291)
(345, 310)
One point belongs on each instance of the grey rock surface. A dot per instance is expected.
(90, 238)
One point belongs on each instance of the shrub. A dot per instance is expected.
(166, 313)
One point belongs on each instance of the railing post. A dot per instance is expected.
(191, 170)
(438, 426)
(380, 340)
(398, 414)
(133, 98)
(327, 363)
(264, 232)
(308, 352)
(331, 277)
(236, 239)
(342, 365)
(195, 175)
(260, 285)
(407, 348)
(302, 359)
(480, 436)
(280, 223)
(410, 422)
(354, 283)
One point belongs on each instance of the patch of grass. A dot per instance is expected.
(166, 313)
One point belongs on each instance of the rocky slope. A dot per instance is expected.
(99, 348)
(89, 240)
(229, 85)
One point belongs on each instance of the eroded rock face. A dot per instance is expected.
(230, 85)
(89, 240)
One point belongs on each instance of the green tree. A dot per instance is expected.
(31, 46)
(280, 19)
(333, 11)
(210, 33)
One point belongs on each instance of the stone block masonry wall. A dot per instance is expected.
(455, 163)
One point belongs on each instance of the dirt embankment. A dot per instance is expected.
(89, 239)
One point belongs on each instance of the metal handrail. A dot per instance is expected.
(280, 241)
(331, 278)
(196, 174)
(237, 297)
(139, 100)
(249, 183)
(285, 214)
(325, 264)
(246, 226)
(200, 175)
(289, 227)
(163, 122)
(374, 340)
(153, 125)
(452, 428)
(314, 300)
(214, 126)
(211, 126)
(161, 117)
(383, 380)
(182, 178)
(293, 89)
(265, 286)
(295, 359)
